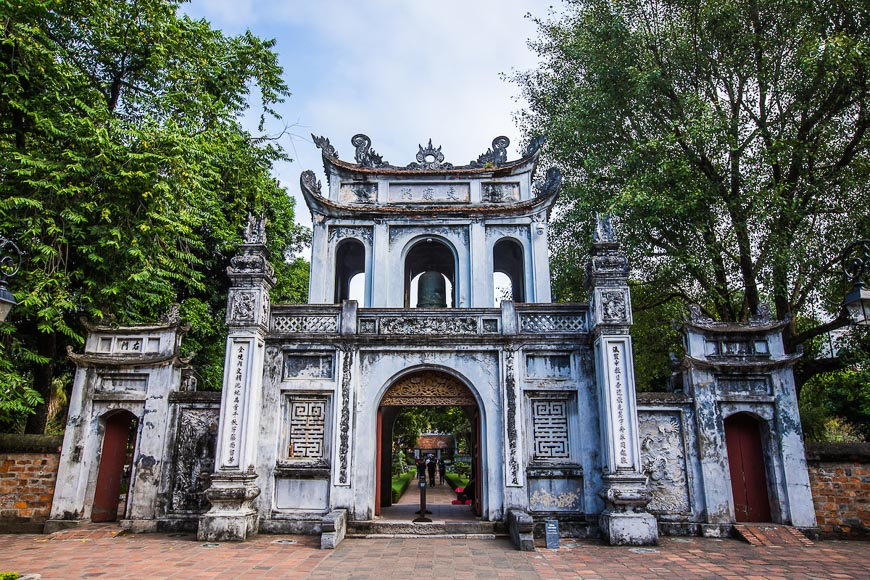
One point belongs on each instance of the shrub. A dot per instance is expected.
(400, 484)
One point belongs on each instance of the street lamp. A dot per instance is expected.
(856, 260)
(10, 261)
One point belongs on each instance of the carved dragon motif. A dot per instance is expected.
(494, 156)
(364, 154)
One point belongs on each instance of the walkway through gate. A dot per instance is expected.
(426, 389)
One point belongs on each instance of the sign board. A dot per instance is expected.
(552, 530)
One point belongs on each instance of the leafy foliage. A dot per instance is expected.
(127, 175)
(412, 421)
(729, 140)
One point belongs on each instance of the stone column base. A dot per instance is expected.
(231, 517)
(629, 528)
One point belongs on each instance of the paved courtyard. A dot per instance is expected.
(99, 553)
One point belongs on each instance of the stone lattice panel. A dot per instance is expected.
(663, 457)
(307, 427)
(550, 429)
(546, 323)
(305, 324)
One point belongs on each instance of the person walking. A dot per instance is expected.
(430, 467)
(442, 468)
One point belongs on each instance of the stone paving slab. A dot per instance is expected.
(182, 556)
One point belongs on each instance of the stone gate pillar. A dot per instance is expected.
(232, 516)
(624, 520)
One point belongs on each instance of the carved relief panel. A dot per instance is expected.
(663, 460)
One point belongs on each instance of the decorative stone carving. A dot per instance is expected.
(314, 324)
(603, 232)
(763, 317)
(306, 427)
(194, 459)
(255, 230)
(547, 323)
(428, 325)
(499, 192)
(173, 316)
(344, 426)
(534, 146)
(301, 365)
(364, 154)
(309, 182)
(250, 264)
(696, 315)
(428, 389)
(323, 144)
(354, 232)
(494, 156)
(550, 429)
(359, 193)
(613, 306)
(430, 158)
(663, 458)
(244, 305)
(513, 465)
(551, 183)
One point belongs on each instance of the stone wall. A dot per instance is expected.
(28, 471)
(840, 478)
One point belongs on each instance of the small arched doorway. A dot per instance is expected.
(748, 468)
(425, 388)
(119, 442)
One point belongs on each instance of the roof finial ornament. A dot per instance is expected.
(551, 183)
(364, 154)
(308, 180)
(494, 156)
(603, 229)
(430, 158)
(323, 144)
(255, 229)
(534, 146)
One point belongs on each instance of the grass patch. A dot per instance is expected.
(455, 480)
(400, 483)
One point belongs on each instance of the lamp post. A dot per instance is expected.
(856, 261)
(10, 261)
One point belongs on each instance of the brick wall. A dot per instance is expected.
(28, 470)
(840, 478)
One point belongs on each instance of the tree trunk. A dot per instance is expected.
(46, 345)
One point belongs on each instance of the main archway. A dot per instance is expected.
(425, 388)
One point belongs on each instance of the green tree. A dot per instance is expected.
(127, 175)
(729, 140)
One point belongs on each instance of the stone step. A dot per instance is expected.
(392, 528)
(771, 535)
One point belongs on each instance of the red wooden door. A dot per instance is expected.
(746, 460)
(112, 460)
(378, 466)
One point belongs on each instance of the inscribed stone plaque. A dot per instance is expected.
(548, 366)
(429, 192)
(308, 366)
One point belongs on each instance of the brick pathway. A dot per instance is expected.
(94, 555)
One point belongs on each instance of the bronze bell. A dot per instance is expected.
(431, 290)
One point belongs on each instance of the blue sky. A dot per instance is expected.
(401, 72)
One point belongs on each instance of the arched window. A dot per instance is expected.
(426, 260)
(350, 266)
(507, 265)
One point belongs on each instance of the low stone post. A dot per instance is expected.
(232, 516)
(624, 520)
